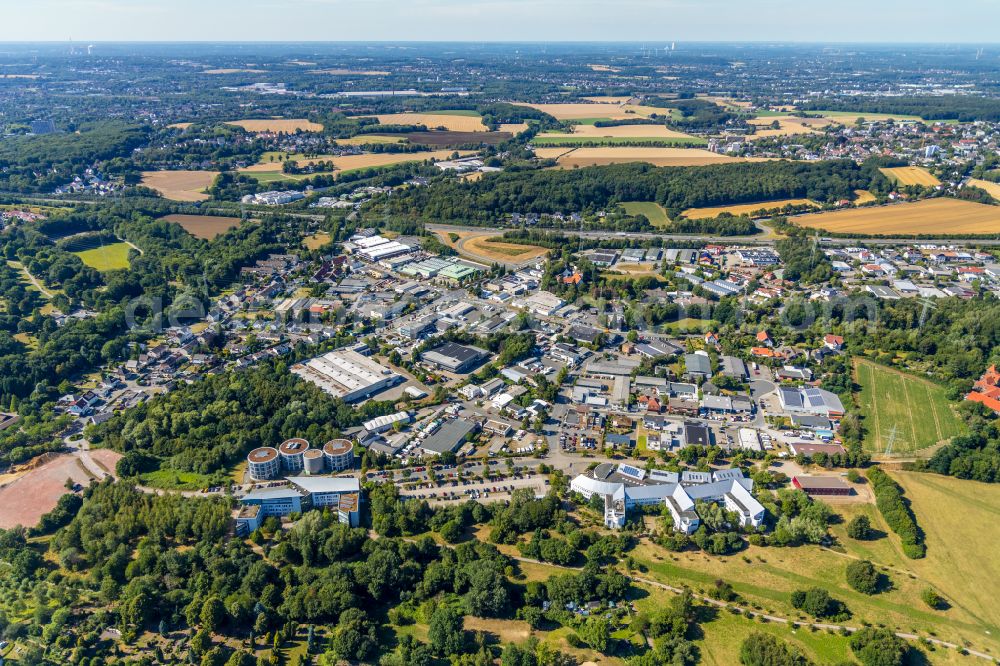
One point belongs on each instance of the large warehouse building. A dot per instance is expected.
(454, 357)
(346, 374)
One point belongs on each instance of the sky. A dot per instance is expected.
(973, 21)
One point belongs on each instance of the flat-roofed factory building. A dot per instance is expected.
(346, 374)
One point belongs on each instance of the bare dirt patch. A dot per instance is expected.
(180, 185)
(204, 226)
(447, 138)
(26, 499)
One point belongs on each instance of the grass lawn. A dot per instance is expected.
(689, 324)
(723, 636)
(653, 211)
(316, 241)
(766, 577)
(279, 177)
(914, 408)
(175, 480)
(574, 140)
(107, 257)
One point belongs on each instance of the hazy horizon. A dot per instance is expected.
(243, 21)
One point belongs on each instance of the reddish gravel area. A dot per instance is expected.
(26, 499)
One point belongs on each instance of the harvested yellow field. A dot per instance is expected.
(992, 188)
(611, 111)
(623, 131)
(603, 68)
(789, 126)
(453, 123)
(349, 162)
(493, 249)
(864, 197)
(289, 125)
(277, 165)
(233, 71)
(180, 126)
(623, 154)
(726, 102)
(513, 128)
(911, 175)
(316, 241)
(180, 185)
(943, 216)
(750, 209)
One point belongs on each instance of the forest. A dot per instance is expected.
(211, 425)
(964, 108)
(40, 163)
(593, 189)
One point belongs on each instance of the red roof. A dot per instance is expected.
(762, 336)
(992, 403)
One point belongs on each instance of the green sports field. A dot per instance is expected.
(913, 408)
(107, 257)
(653, 211)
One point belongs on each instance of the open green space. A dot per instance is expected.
(653, 212)
(170, 479)
(104, 258)
(906, 411)
(279, 177)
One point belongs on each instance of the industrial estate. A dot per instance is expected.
(534, 354)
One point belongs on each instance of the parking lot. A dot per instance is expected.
(492, 491)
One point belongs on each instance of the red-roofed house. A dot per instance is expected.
(834, 342)
(986, 390)
(765, 339)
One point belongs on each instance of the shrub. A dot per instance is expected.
(863, 577)
(860, 528)
(878, 647)
(890, 502)
(933, 599)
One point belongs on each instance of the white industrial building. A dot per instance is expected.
(383, 423)
(346, 374)
(377, 248)
(627, 487)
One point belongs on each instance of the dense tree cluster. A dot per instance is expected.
(964, 108)
(211, 424)
(897, 513)
(598, 188)
(41, 163)
(760, 649)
